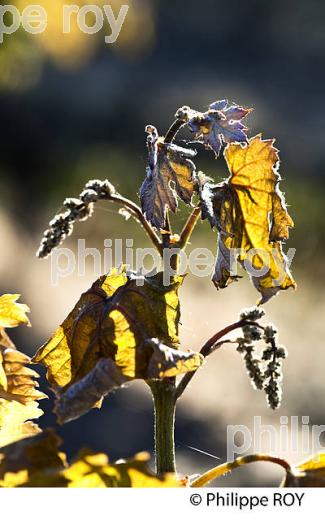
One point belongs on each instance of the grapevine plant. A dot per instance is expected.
(125, 327)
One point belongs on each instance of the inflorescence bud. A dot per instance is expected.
(253, 365)
(252, 314)
(61, 226)
(264, 371)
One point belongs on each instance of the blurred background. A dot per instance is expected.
(74, 108)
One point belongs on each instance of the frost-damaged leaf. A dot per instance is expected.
(12, 313)
(103, 343)
(37, 462)
(310, 473)
(220, 124)
(170, 175)
(168, 362)
(250, 213)
(162, 361)
(18, 387)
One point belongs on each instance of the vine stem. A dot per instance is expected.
(164, 392)
(173, 130)
(139, 216)
(207, 349)
(165, 407)
(189, 227)
(218, 471)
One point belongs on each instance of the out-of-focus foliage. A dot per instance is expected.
(23, 55)
(18, 387)
(123, 328)
(37, 462)
(241, 209)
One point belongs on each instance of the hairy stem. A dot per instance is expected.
(164, 392)
(214, 473)
(189, 227)
(165, 405)
(173, 130)
(207, 349)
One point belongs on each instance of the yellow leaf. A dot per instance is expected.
(110, 320)
(3, 377)
(18, 387)
(310, 473)
(123, 328)
(36, 462)
(16, 421)
(251, 215)
(17, 381)
(12, 313)
(93, 470)
(18, 396)
(5, 341)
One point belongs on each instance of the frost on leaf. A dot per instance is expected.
(37, 462)
(251, 216)
(222, 123)
(161, 361)
(18, 387)
(170, 175)
(123, 328)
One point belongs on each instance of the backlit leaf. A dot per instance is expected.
(160, 361)
(17, 381)
(170, 175)
(18, 397)
(93, 470)
(251, 216)
(29, 459)
(220, 124)
(12, 313)
(16, 421)
(18, 387)
(37, 462)
(123, 328)
(310, 473)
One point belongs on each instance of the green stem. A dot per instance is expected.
(165, 405)
(189, 227)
